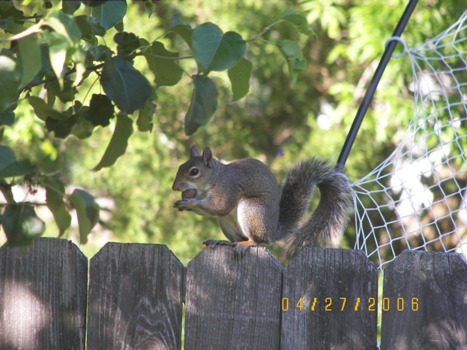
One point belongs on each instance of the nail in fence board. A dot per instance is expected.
(329, 301)
(135, 298)
(233, 300)
(43, 296)
(425, 302)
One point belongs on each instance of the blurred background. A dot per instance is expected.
(278, 122)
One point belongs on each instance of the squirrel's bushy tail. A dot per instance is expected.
(329, 218)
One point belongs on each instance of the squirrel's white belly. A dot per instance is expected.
(233, 225)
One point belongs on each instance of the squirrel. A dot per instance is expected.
(252, 209)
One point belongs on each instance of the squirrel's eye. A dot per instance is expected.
(194, 171)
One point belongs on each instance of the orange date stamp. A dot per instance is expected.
(354, 304)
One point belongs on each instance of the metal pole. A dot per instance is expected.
(373, 85)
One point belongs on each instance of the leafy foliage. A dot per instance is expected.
(260, 113)
(21, 224)
(124, 85)
(54, 62)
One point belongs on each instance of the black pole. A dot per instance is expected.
(373, 85)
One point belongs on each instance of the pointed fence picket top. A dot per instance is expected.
(135, 298)
(329, 301)
(43, 296)
(424, 302)
(233, 299)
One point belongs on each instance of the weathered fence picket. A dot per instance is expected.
(135, 298)
(329, 294)
(323, 299)
(43, 296)
(425, 302)
(233, 300)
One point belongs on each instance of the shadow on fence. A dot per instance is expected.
(323, 299)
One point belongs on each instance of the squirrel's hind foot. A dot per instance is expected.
(214, 243)
(239, 248)
(242, 247)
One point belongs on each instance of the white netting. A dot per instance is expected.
(417, 198)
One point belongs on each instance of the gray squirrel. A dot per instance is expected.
(252, 209)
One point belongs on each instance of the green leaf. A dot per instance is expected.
(79, 59)
(215, 50)
(183, 30)
(17, 168)
(45, 64)
(7, 118)
(124, 85)
(82, 128)
(61, 127)
(64, 26)
(119, 27)
(110, 13)
(70, 7)
(239, 76)
(21, 224)
(58, 47)
(54, 194)
(6, 157)
(100, 53)
(150, 7)
(160, 61)
(118, 142)
(299, 21)
(127, 43)
(101, 110)
(63, 44)
(10, 167)
(203, 104)
(42, 110)
(10, 80)
(87, 211)
(30, 58)
(145, 116)
(65, 94)
(8, 10)
(64, 124)
(89, 27)
(290, 49)
(294, 56)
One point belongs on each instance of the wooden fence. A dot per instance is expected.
(323, 299)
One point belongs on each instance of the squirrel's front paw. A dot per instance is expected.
(183, 204)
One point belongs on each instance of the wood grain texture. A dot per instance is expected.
(43, 296)
(315, 281)
(233, 300)
(438, 281)
(135, 298)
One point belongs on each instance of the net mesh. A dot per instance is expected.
(416, 198)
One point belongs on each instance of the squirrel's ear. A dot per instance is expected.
(194, 151)
(207, 155)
